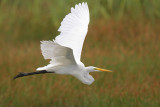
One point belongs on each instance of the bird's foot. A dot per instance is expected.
(21, 74)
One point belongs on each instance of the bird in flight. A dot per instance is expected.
(65, 50)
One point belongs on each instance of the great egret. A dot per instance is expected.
(65, 50)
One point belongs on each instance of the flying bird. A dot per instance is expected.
(64, 51)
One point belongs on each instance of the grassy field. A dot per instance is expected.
(125, 43)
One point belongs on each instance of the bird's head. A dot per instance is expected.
(88, 79)
(96, 69)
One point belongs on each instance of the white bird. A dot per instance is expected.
(65, 50)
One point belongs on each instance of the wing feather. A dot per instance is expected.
(58, 54)
(73, 29)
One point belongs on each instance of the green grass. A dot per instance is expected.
(44, 17)
(122, 37)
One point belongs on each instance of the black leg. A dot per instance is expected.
(21, 74)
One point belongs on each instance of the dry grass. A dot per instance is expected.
(130, 48)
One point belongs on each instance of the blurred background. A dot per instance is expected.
(123, 36)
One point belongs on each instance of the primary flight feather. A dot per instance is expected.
(73, 29)
(65, 50)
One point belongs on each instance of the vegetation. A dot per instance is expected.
(123, 36)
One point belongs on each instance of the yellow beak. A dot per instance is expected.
(104, 70)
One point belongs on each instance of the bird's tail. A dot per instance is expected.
(41, 69)
(44, 68)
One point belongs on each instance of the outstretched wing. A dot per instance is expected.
(58, 54)
(73, 29)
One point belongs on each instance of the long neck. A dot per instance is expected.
(89, 69)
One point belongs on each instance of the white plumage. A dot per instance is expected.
(58, 54)
(65, 50)
(73, 29)
(67, 47)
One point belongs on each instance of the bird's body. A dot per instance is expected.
(77, 71)
(64, 62)
(65, 50)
